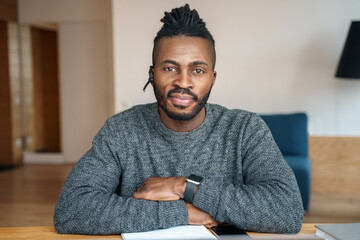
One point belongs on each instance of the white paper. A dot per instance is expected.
(179, 232)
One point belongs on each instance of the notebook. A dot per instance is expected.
(346, 231)
(179, 232)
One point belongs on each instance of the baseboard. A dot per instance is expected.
(43, 158)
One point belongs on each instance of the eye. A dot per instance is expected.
(170, 69)
(198, 71)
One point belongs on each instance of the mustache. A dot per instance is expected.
(182, 91)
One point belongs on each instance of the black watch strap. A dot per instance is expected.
(192, 182)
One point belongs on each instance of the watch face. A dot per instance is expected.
(195, 178)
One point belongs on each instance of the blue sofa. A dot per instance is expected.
(290, 134)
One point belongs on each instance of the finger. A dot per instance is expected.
(139, 194)
(136, 194)
(211, 224)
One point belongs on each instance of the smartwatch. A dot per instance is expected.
(192, 182)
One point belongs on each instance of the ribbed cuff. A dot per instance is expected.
(172, 213)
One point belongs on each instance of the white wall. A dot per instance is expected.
(85, 66)
(272, 56)
(85, 94)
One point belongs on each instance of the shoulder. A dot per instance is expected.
(237, 117)
(132, 115)
(237, 122)
(129, 120)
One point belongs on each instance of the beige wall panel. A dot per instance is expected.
(335, 165)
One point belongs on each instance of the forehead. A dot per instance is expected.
(183, 48)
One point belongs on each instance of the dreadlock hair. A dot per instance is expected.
(183, 22)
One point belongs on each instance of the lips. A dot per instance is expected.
(181, 99)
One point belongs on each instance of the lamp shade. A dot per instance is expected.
(349, 64)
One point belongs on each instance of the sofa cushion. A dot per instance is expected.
(289, 132)
(301, 168)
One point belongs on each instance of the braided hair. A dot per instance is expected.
(184, 22)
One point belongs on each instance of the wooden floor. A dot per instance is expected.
(28, 196)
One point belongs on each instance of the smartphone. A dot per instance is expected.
(228, 229)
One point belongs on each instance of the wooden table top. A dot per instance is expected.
(48, 232)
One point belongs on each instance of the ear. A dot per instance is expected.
(213, 78)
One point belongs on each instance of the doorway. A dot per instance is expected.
(41, 98)
(46, 107)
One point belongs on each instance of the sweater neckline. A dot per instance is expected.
(200, 131)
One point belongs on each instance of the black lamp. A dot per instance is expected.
(349, 65)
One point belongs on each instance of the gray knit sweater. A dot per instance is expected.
(246, 180)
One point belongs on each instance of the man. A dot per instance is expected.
(181, 160)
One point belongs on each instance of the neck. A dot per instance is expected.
(182, 126)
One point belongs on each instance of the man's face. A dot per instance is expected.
(183, 76)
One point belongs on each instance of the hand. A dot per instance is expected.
(199, 217)
(161, 189)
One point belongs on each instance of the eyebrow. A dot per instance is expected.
(194, 63)
(170, 61)
(199, 63)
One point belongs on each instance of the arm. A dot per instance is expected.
(88, 203)
(172, 189)
(268, 201)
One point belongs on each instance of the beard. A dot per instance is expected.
(200, 103)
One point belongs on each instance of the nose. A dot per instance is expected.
(184, 80)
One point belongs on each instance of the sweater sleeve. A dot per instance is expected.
(268, 200)
(88, 203)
